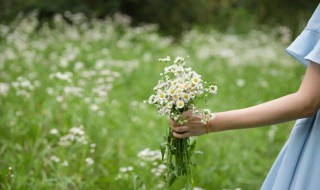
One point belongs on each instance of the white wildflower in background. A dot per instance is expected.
(89, 161)
(65, 163)
(54, 131)
(50, 91)
(23, 87)
(198, 188)
(19, 113)
(78, 65)
(66, 76)
(149, 155)
(94, 107)
(271, 132)
(159, 170)
(240, 82)
(4, 88)
(286, 35)
(92, 147)
(264, 83)
(91, 86)
(123, 169)
(124, 172)
(59, 99)
(75, 135)
(55, 158)
(73, 90)
(147, 57)
(118, 177)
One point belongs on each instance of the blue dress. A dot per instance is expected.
(297, 166)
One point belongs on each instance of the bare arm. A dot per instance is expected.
(305, 102)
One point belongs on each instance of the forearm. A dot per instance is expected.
(304, 103)
(283, 109)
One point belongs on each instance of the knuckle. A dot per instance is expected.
(186, 113)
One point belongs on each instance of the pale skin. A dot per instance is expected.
(305, 102)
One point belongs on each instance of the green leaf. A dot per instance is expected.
(192, 147)
(163, 150)
(137, 182)
(172, 178)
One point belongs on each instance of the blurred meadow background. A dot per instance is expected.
(74, 74)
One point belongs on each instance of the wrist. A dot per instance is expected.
(214, 124)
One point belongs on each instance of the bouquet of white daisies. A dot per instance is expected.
(180, 89)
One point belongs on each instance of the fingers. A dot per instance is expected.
(187, 114)
(172, 123)
(181, 135)
(181, 129)
(178, 128)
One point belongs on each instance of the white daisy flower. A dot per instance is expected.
(166, 70)
(179, 91)
(186, 96)
(171, 91)
(195, 79)
(151, 99)
(169, 105)
(206, 111)
(213, 89)
(212, 116)
(186, 85)
(161, 95)
(174, 83)
(166, 59)
(180, 104)
(179, 60)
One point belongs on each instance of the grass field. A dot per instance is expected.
(72, 114)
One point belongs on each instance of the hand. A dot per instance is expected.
(191, 127)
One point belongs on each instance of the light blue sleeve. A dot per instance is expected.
(306, 46)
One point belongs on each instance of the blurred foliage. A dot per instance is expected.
(175, 16)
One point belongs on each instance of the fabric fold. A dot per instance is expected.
(306, 47)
